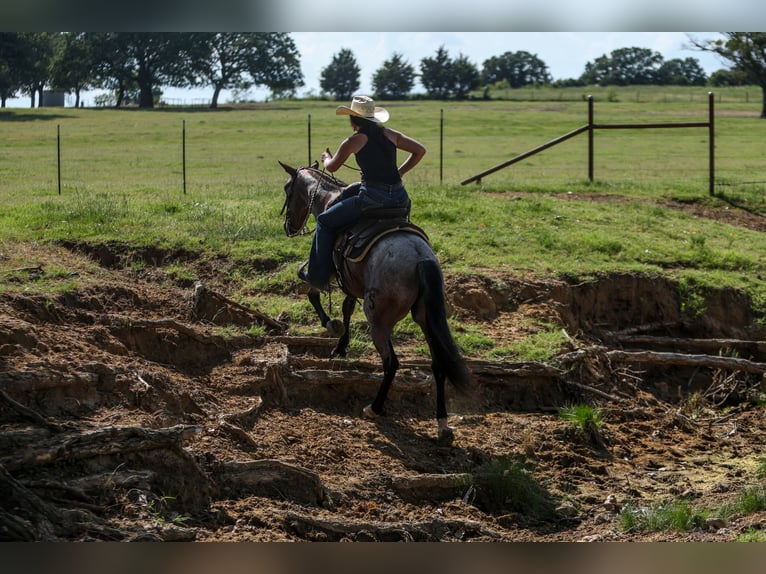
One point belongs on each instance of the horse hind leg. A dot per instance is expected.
(445, 434)
(390, 366)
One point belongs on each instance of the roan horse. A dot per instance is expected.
(399, 274)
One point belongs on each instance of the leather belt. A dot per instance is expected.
(384, 186)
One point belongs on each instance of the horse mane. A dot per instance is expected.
(326, 180)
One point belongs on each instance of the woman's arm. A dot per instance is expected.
(406, 143)
(351, 144)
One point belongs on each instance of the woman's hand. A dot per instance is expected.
(326, 154)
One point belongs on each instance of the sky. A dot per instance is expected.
(565, 54)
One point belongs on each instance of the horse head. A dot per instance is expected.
(308, 190)
(298, 200)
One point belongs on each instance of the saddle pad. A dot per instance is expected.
(364, 234)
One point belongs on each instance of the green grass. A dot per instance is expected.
(539, 346)
(508, 485)
(586, 418)
(682, 515)
(122, 183)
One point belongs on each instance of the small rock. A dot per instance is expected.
(178, 534)
(611, 504)
(567, 511)
(714, 523)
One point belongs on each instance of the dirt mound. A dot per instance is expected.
(127, 415)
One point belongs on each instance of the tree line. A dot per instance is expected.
(135, 66)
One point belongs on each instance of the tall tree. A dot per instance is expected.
(240, 60)
(624, 67)
(746, 51)
(278, 66)
(517, 68)
(73, 66)
(394, 79)
(436, 74)
(465, 77)
(678, 72)
(11, 63)
(142, 60)
(38, 50)
(341, 77)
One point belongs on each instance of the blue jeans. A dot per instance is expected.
(340, 215)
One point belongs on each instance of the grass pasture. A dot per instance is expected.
(95, 332)
(122, 180)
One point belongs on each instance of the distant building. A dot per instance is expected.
(53, 99)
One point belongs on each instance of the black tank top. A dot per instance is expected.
(377, 160)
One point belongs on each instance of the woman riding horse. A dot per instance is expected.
(374, 147)
(399, 274)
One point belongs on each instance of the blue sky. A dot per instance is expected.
(565, 53)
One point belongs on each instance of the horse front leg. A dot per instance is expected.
(349, 303)
(333, 326)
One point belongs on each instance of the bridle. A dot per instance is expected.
(312, 195)
(303, 228)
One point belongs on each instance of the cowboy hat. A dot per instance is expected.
(364, 107)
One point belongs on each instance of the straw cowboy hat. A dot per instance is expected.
(364, 107)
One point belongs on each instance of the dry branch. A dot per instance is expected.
(431, 531)
(24, 516)
(28, 413)
(665, 358)
(155, 324)
(107, 441)
(705, 345)
(711, 361)
(592, 390)
(267, 477)
(431, 486)
(207, 305)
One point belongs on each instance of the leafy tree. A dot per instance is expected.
(341, 77)
(394, 79)
(72, 67)
(113, 66)
(238, 61)
(279, 65)
(465, 77)
(143, 60)
(678, 72)
(436, 74)
(37, 48)
(727, 78)
(11, 62)
(624, 67)
(517, 68)
(746, 51)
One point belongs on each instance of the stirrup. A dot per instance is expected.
(302, 273)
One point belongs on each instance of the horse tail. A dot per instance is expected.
(444, 351)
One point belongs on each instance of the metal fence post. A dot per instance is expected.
(711, 143)
(590, 138)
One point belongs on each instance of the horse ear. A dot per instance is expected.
(315, 165)
(288, 169)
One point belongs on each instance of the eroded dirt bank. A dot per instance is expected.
(126, 416)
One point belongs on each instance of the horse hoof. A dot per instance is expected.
(335, 328)
(368, 412)
(445, 436)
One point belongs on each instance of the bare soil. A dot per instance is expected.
(126, 413)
